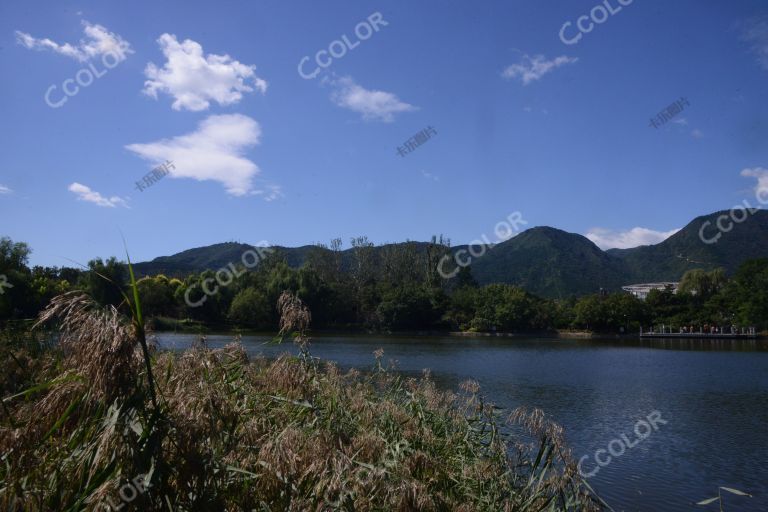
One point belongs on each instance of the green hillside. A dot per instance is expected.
(670, 259)
(551, 263)
(544, 260)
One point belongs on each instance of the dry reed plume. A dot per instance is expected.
(233, 433)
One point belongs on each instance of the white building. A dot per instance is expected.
(641, 291)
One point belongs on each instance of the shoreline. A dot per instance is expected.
(555, 334)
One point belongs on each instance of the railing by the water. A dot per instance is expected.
(732, 332)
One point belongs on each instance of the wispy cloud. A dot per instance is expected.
(373, 105)
(609, 239)
(85, 193)
(5, 190)
(755, 32)
(213, 152)
(195, 79)
(430, 176)
(99, 41)
(530, 69)
(761, 174)
(270, 193)
(697, 134)
(681, 121)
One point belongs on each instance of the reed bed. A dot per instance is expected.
(106, 422)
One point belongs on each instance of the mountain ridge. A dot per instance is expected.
(545, 260)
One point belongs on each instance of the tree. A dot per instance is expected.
(748, 294)
(465, 277)
(702, 284)
(612, 312)
(208, 306)
(327, 262)
(251, 308)
(46, 284)
(16, 292)
(409, 307)
(463, 307)
(503, 307)
(106, 281)
(436, 249)
(400, 264)
(364, 280)
(158, 295)
(13, 256)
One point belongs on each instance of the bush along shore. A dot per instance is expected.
(398, 290)
(101, 420)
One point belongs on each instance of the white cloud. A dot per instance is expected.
(761, 188)
(5, 190)
(430, 176)
(697, 134)
(85, 193)
(195, 79)
(681, 121)
(99, 41)
(373, 105)
(212, 152)
(533, 68)
(609, 239)
(756, 33)
(271, 193)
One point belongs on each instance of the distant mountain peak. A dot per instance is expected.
(549, 261)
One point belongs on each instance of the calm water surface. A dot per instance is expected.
(713, 395)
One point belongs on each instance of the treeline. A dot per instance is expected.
(395, 289)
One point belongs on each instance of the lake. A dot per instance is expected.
(711, 396)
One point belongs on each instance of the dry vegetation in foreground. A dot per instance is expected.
(213, 430)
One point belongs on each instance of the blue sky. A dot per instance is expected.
(524, 122)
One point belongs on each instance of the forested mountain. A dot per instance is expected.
(544, 260)
(550, 263)
(685, 250)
